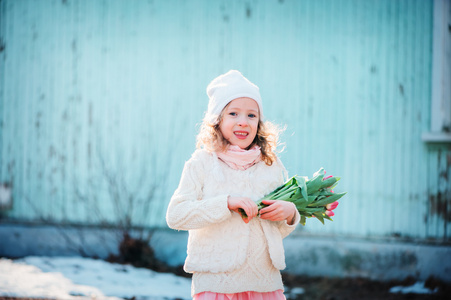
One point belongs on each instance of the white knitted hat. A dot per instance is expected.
(227, 87)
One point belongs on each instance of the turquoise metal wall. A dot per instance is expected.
(100, 103)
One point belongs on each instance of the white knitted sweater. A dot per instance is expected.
(225, 254)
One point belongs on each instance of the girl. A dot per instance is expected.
(232, 257)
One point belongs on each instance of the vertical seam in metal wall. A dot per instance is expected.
(2, 77)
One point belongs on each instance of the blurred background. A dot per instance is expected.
(100, 103)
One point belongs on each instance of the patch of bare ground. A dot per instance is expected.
(324, 288)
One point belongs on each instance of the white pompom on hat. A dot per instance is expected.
(227, 87)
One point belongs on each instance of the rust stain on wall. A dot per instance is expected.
(438, 205)
(440, 202)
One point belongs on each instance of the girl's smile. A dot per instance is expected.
(241, 134)
(239, 122)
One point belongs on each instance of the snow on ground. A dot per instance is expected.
(77, 278)
(416, 288)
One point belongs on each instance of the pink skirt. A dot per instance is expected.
(276, 295)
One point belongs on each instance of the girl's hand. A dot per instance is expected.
(278, 210)
(249, 206)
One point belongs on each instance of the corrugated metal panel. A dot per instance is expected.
(101, 99)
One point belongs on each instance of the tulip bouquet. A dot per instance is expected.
(313, 197)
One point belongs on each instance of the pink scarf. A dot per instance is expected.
(240, 159)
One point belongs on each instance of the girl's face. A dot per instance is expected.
(239, 122)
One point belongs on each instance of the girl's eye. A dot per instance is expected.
(232, 114)
(251, 116)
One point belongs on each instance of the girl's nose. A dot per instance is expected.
(242, 122)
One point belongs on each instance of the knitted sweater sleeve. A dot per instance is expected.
(284, 227)
(188, 209)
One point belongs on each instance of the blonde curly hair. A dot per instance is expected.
(267, 138)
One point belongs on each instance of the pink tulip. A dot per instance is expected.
(327, 177)
(330, 213)
(332, 206)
